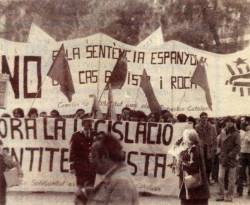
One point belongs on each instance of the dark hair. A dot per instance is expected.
(182, 117)
(126, 108)
(166, 116)
(138, 115)
(19, 111)
(133, 115)
(141, 115)
(1, 142)
(164, 112)
(191, 119)
(229, 119)
(203, 113)
(56, 112)
(43, 113)
(80, 110)
(32, 111)
(110, 147)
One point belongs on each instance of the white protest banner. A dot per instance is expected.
(42, 147)
(153, 40)
(91, 60)
(37, 34)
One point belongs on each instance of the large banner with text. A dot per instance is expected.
(92, 59)
(42, 148)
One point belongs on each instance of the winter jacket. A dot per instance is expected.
(207, 134)
(229, 144)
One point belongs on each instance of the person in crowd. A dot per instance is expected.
(190, 125)
(244, 159)
(133, 116)
(153, 117)
(166, 116)
(18, 113)
(125, 115)
(229, 145)
(80, 146)
(207, 134)
(6, 162)
(87, 116)
(43, 114)
(79, 113)
(191, 162)
(116, 186)
(137, 116)
(33, 113)
(142, 117)
(239, 122)
(181, 117)
(191, 121)
(55, 114)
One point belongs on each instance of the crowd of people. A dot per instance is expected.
(224, 150)
(214, 150)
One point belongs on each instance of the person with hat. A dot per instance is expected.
(229, 144)
(80, 146)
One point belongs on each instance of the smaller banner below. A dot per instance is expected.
(42, 148)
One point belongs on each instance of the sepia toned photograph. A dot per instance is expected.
(124, 102)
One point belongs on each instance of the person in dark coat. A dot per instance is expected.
(80, 146)
(229, 144)
(208, 135)
(192, 162)
(244, 160)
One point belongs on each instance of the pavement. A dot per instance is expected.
(59, 198)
